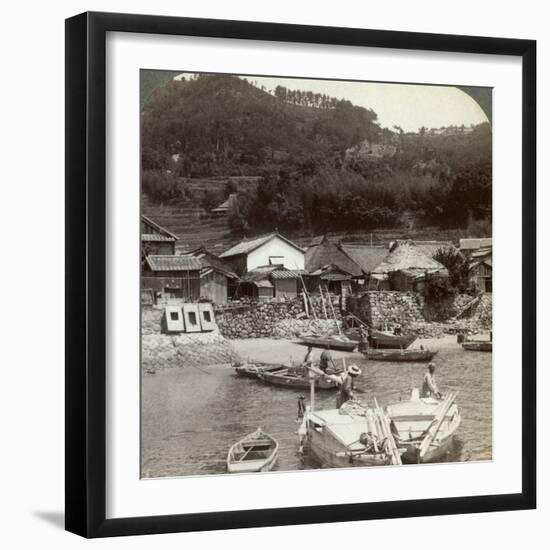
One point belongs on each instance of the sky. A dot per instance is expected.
(409, 106)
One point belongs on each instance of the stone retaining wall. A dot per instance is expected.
(164, 351)
(285, 319)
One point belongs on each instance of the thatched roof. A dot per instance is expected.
(430, 247)
(328, 253)
(407, 256)
(367, 257)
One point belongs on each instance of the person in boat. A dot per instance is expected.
(344, 381)
(306, 363)
(429, 385)
(326, 361)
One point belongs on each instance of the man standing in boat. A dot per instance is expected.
(344, 381)
(429, 386)
(326, 361)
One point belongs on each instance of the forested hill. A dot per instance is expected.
(324, 164)
(223, 125)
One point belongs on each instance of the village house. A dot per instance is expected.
(480, 255)
(225, 207)
(268, 250)
(271, 281)
(156, 239)
(172, 277)
(217, 279)
(341, 267)
(405, 268)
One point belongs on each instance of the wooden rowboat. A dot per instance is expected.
(331, 342)
(412, 355)
(288, 379)
(385, 340)
(256, 452)
(478, 345)
(424, 427)
(251, 370)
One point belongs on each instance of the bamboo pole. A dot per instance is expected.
(438, 421)
(323, 301)
(333, 313)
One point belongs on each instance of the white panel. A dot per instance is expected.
(192, 320)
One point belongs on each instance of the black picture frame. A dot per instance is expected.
(86, 283)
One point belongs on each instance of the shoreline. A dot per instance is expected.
(270, 350)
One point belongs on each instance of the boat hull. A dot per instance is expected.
(412, 418)
(417, 356)
(380, 340)
(251, 370)
(332, 343)
(333, 440)
(258, 448)
(478, 346)
(287, 380)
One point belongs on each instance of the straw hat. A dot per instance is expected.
(354, 370)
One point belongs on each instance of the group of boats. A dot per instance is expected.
(415, 431)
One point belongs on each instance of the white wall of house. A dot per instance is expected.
(279, 251)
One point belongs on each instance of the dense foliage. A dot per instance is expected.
(326, 165)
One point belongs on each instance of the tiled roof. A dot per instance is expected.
(246, 246)
(157, 227)
(173, 263)
(155, 237)
(210, 260)
(259, 273)
(287, 273)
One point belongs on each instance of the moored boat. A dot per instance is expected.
(478, 345)
(256, 452)
(424, 427)
(349, 436)
(332, 342)
(291, 379)
(384, 340)
(251, 370)
(412, 355)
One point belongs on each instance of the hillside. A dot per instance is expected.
(304, 163)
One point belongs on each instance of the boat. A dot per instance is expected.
(385, 340)
(424, 427)
(331, 342)
(256, 452)
(412, 355)
(289, 378)
(478, 345)
(251, 370)
(350, 436)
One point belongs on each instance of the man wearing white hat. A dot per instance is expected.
(344, 381)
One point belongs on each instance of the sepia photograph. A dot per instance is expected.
(316, 274)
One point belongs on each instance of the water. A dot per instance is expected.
(191, 416)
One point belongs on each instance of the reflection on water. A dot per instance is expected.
(191, 417)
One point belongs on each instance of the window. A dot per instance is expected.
(192, 318)
(206, 315)
(174, 316)
(276, 260)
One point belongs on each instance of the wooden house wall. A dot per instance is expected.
(214, 287)
(158, 248)
(173, 284)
